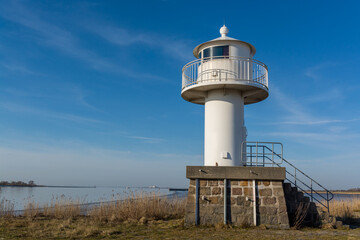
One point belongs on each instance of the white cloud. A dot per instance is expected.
(64, 41)
(13, 107)
(122, 37)
(147, 139)
(298, 114)
(87, 165)
(317, 122)
(314, 72)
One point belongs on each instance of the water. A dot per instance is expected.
(345, 197)
(20, 196)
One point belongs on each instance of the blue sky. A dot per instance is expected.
(90, 90)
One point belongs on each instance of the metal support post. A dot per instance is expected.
(225, 201)
(197, 191)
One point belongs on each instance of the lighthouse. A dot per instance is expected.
(225, 77)
(241, 182)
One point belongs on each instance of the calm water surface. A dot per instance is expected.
(20, 196)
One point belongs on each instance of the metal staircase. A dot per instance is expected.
(262, 154)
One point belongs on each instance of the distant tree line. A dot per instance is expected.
(18, 183)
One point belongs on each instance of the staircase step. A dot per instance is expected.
(287, 188)
(294, 189)
(300, 196)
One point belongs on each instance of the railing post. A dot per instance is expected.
(327, 200)
(311, 188)
(257, 152)
(251, 156)
(225, 201)
(197, 191)
(263, 156)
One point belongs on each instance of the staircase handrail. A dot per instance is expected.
(332, 195)
(296, 178)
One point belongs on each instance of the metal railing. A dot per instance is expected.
(226, 68)
(310, 187)
(258, 153)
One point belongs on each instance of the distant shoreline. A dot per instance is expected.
(47, 186)
(337, 192)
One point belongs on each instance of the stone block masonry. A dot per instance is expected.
(270, 201)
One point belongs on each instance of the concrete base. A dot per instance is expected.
(270, 201)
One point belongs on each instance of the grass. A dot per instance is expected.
(142, 216)
(86, 228)
(140, 207)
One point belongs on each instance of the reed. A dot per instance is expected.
(135, 207)
(60, 208)
(347, 210)
(140, 207)
(6, 208)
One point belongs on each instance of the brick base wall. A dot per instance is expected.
(270, 208)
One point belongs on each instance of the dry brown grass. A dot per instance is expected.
(61, 208)
(6, 208)
(72, 219)
(140, 207)
(137, 206)
(348, 210)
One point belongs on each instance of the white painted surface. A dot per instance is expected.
(221, 84)
(219, 70)
(224, 122)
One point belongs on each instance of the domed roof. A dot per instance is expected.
(224, 31)
(224, 38)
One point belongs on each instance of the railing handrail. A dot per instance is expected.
(305, 191)
(205, 59)
(256, 73)
(313, 180)
(303, 182)
(263, 154)
(329, 194)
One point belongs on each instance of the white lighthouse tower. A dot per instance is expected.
(224, 78)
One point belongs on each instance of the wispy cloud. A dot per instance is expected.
(28, 160)
(293, 108)
(333, 94)
(297, 114)
(316, 122)
(312, 136)
(63, 40)
(147, 139)
(123, 37)
(18, 68)
(314, 72)
(72, 93)
(13, 107)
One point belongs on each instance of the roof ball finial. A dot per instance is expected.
(224, 31)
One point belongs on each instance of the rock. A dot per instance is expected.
(262, 227)
(327, 226)
(338, 224)
(143, 220)
(346, 227)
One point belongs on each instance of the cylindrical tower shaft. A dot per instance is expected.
(224, 127)
(224, 78)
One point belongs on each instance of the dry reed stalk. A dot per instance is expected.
(140, 205)
(134, 207)
(6, 208)
(31, 210)
(61, 208)
(345, 209)
(300, 214)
